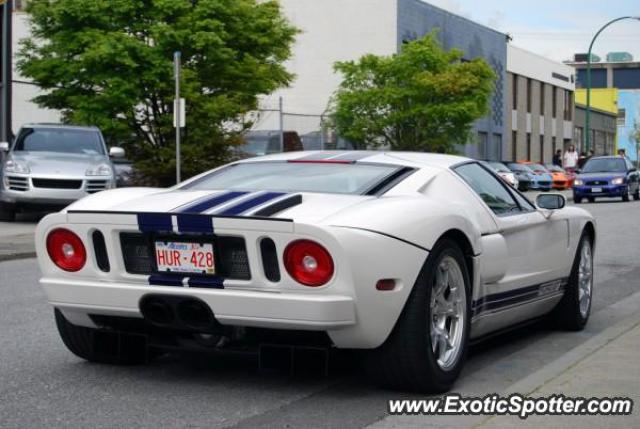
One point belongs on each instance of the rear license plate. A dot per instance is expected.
(596, 190)
(185, 257)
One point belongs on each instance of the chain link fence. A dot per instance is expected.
(276, 129)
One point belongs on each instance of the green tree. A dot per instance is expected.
(421, 99)
(109, 63)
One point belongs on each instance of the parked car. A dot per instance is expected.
(606, 176)
(507, 175)
(49, 166)
(562, 179)
(544, 180)
(259, 143)
(527, 179)
(405, 256)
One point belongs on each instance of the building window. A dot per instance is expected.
(483, 139)
(542, 149)
(528, 146)
(19, 5)
(542, 90)
(514, 91)
(514, 146)
(622, 117)
(554, 145)
(529, 95)
(567, 105)
(554, 97)
(497, 147)
(577, 137)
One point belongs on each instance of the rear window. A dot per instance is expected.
(296, 177)
(59, 140)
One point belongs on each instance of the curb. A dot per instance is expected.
(16, 256)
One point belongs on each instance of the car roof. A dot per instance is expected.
(414, 159)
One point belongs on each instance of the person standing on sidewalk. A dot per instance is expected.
(570, 159)
(557, 158)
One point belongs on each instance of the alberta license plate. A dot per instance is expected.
(596, 190)
(185, 257)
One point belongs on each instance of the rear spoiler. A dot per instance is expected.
(179, 222)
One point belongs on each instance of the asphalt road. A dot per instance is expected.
(44, 385)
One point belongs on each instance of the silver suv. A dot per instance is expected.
(50, 166)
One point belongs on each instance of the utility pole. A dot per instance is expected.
(587, 128)
(281, 106)
(7, 71)
(177, 112)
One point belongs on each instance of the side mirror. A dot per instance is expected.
(631, 170)
(116, 152)
(551, 201)
(4, 146)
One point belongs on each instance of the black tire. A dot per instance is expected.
(636, 195)
(577, 200)
(406, 360)
(7, 212)
(567, 315)
(625, 198)
(101, 347)
(592, 199)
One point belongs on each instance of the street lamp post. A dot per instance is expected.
(587, 134)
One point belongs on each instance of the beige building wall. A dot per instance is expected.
(538, 133)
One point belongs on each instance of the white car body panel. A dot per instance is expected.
(370, 238)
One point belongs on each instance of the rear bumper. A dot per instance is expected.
(229, 306)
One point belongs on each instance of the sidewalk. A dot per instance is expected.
(605, 366)
(16, 240)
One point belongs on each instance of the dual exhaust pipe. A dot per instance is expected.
(176, 312)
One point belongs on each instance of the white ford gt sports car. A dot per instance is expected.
(407, 256)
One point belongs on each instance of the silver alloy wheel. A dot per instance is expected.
(448, 312)
(585, 277)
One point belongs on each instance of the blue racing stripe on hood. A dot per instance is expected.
(251, 203)
(194, 223)
(209, 202)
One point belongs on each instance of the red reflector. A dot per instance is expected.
(66, 250)
(308, 263)
(386, 284)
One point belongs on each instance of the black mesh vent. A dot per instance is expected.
(57, 183)
(232, 258)
(100, 250)
(137, 253)
(270, 259)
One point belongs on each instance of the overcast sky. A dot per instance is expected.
(556, 28)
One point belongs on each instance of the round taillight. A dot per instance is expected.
(66, 250)
(308, 263)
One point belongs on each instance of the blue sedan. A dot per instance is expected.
(606, 176)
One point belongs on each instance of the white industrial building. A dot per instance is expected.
(24, 110)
